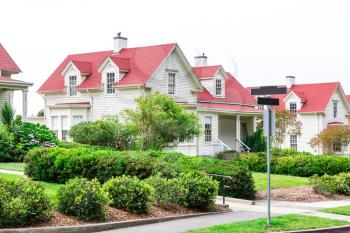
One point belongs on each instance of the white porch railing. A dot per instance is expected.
(224, 145)
(243, 147)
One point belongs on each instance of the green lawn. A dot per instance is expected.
(278, 181)
(343, 210)
(281, 223)
(50, 188)
(12, 166)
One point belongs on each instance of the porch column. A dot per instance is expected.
(238, 131)
(254, 124)
(24, 104)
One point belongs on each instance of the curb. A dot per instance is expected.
(241, 201)
(89, 228)
(344, 229)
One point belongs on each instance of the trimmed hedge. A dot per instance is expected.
(61, 164)
(329, 185)
(298, 165)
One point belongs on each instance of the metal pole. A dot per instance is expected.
(268, 167)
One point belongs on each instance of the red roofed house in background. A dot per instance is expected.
(8, 67)
(317, 106)
(93, 86)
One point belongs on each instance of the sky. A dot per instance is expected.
(260, 42)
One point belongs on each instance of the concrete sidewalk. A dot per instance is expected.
(11, 172)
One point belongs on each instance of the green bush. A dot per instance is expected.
(105, 133)
(227, 155)
(329, 185)
(7, 146)
(200, 190)
(61, 164)
(130, 193)
(23, 202)
(298, 165)
(84, 199)
(256, 141)
(168, 192)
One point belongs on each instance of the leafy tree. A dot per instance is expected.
(257, 140)
(40, 113)
(286, 124)
(161, 121)
(331, 136)
(7, 117)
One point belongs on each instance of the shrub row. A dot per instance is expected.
(61, 164)
(329, 185)
(23, 202)
(298, 165)
(87, 199)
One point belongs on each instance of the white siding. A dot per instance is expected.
(4, 97)
(342, 112)
(213, 147)
(184, 82)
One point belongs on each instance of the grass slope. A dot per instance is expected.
(342, 210)
(12, 166)
(278, 181)
(281, 223)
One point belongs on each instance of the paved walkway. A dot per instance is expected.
(241, 212)
(12, 172)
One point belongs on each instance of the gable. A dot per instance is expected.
(342, 107)
(6, 62)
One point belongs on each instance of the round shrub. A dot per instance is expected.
(130, 193)
(227, 155)
(200, 190)
(6, 146)
(84, 199)
(23, 202)
(167, 191)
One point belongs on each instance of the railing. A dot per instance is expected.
(243, 147)
(224, 186)
(224, 145)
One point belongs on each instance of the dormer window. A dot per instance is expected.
(293, 107)
(218, 87)
(110, 79)
(72, 88)
(171, 83)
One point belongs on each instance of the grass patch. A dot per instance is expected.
(281, 223)
(342, 210)
(278, 181)
(50, 188)
(12, 166)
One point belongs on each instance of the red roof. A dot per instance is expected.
(316, 96)
(230, 107)
(141, 62)
(10, 80)
(83, 66)
(348, 98)
(234, 93)
(206, 71)
(6, 62)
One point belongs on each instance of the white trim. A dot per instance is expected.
(175, 82)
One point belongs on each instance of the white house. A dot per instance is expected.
(318, 106)
(91, 86)
(8, 85)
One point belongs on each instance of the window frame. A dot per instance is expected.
(208, 131)
(219, 87)
(293, 141)
(75, 116)
(55, 127)
(335, 109)
(109, 84)
(293, 110)
(72, 88)
(171, 85)
(337, 147)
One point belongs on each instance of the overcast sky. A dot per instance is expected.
(260, 42)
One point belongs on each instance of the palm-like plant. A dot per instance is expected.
(7, 117)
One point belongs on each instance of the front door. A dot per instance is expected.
(244, 131)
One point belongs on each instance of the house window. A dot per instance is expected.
(293, 107)
(64, 127)
(72, 86)
(77, 119)
(337, 147)
(171, 83)
(218, 87)
(294, 142)
(54, 125)
(261, 107)
(335, 109)
(208, 129)
(109, 83)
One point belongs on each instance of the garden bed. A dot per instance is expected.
(303, 193)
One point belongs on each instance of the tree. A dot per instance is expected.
(162, 122)
(40, 113)
(330, 137)
(256, 141)
(7, 117)
(286, 124)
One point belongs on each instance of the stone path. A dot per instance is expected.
(12, 172)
